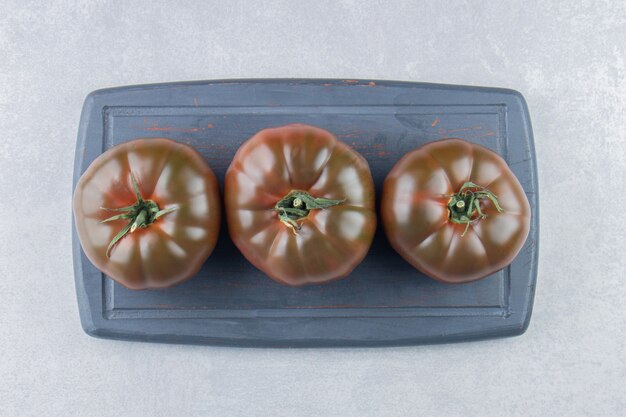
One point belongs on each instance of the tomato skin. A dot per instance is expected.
(415, 214)
(174, 247)
(331, 241)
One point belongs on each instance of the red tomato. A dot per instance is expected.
(147, 212)
(455, 211)
(300, 204)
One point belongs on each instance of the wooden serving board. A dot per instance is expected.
(384, 301)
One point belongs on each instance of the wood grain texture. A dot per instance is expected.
(384, 301)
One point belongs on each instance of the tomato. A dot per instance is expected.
(455, 211)
(147, 212)
(300, 204)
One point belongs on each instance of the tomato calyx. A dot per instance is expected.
(464, 206)
(296, 206)
(140, 215)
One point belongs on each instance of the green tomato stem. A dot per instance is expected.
(141, 214)
(296, 206)
(464, 206)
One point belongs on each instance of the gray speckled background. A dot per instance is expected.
(567, 58)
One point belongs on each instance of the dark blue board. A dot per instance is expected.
(384, 301)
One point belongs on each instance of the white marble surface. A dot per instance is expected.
(567, 58)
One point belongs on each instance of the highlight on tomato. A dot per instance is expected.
(147, 212)
(455, 211)
(300, 204)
